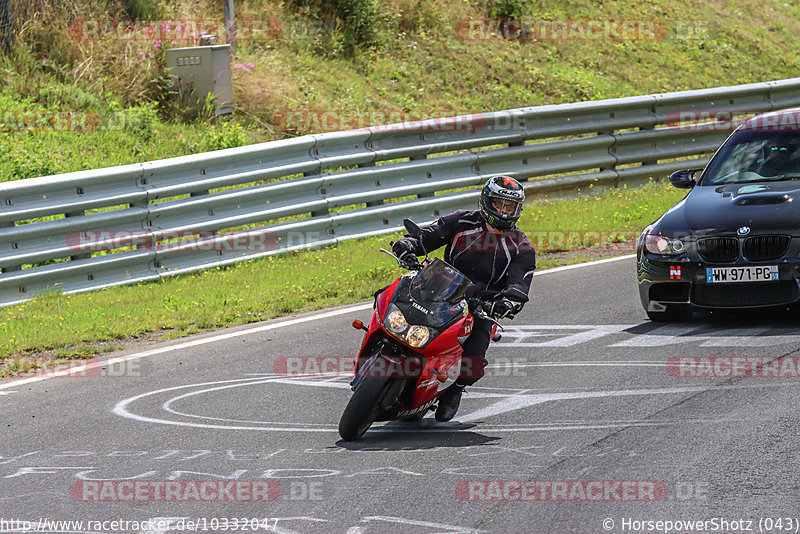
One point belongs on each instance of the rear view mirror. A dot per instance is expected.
(412, 228)
(684, 178)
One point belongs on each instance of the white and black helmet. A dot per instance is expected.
(501, 202)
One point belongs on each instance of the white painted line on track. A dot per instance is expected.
(585, 264)
(195, 343)
(588, 363)
(441, 528)
(262, 328)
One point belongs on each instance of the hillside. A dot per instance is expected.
(362, 62)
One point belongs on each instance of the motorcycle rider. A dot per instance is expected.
(494, 254)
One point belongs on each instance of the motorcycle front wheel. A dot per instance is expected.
(363, 408)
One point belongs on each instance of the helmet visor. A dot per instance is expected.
(507, 208)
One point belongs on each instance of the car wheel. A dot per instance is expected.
(673, 314)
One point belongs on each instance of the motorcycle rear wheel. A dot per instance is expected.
(363, 408)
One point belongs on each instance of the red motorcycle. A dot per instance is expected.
(411, 351)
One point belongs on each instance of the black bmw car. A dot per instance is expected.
(734, 240)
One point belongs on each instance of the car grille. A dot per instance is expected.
(766, 247)
(718, 249)
(745, 294)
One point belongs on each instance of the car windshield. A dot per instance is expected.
(756, 156)
(439, 282)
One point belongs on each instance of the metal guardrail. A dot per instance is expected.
(245, 195)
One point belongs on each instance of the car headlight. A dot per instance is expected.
(415, 335)
(659, 244)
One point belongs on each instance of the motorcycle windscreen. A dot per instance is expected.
(439, 282)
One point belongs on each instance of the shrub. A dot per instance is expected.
(353, 23)
(226, 135)
(138, 120)
(506, 9)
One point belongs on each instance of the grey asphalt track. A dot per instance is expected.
(579, 395)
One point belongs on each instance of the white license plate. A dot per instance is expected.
(766, 273)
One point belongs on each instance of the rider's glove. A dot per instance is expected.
(404, 251)
(504, 307)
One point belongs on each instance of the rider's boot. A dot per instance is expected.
(448, 403)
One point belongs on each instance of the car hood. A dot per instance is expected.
(766, 208)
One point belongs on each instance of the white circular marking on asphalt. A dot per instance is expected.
(505, 402)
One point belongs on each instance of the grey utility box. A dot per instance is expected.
(203, 70)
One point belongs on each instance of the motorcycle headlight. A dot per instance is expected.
(396, 321)
(417, 335)
(656, 243)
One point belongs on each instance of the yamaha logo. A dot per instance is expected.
(744, 230)
(420, 308)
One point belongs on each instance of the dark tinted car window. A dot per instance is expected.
(756, 157)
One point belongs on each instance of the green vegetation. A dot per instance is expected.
(357, 56)
(75, 326)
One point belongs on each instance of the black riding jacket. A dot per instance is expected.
(491, 261)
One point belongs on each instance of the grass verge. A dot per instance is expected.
(56, 327)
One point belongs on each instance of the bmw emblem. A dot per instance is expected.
(744, 230)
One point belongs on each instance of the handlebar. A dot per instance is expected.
(476, 308)
(405, 264)
(477, 305)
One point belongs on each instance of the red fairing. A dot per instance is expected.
(386, 297)
(374, 325)
(443, 355)
(447, 342)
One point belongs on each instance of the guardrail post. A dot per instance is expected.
(419, 157)
(371, 203)
(320, 212)
(650, 161)
(9, 224)
(611, 150)
(77, 256)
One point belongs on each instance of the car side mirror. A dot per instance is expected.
(684, 178)
(412, 228)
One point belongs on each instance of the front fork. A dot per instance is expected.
(376, 361)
